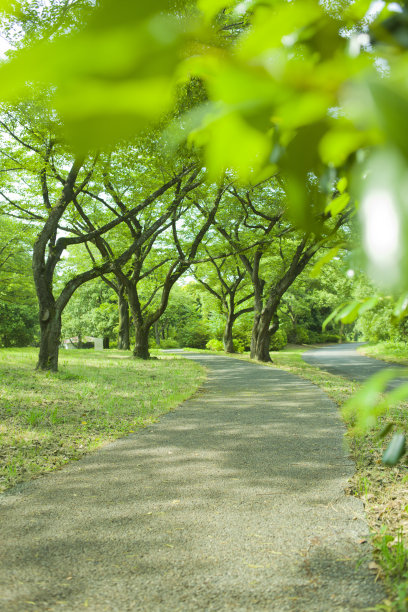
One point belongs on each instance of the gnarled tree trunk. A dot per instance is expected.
(261, 338)
(50, 325)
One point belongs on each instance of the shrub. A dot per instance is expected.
(195, 335)
(302, 336)
(331, 338)
(239, 346)
(214, 345)
(314, 337)
(279, 340)
(169, 343)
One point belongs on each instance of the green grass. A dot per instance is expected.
(49, 419)
(393, 352)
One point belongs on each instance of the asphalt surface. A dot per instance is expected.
(344, 360)
(235, 501)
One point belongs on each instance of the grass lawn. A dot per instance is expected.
(48, 419)
(393, 352)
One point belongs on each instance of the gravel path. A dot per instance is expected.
(233, 502)
(344, 360)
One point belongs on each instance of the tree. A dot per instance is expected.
(18, 312)
(229, 284)
(55, 196)
(171, 264)
(92, 311)
(279, 255)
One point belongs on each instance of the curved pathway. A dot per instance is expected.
(235, 501)
(344, 360)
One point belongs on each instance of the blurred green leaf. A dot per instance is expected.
(9, 6)
(337, 204)
(337, 145)
(303, 109)
(210, 8)
(109, 80)
(317, 268)
(247, 148)
(401, 308)
(331, 316)
(342, 184)
(395, 450)
(271, 24)
(356, 10)
(350, 311)
(385, 430)
(366, 405)
(392, 109)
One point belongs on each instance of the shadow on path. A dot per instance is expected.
(233, 502)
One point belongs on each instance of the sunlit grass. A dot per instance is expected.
(48, 419)
(393, 352)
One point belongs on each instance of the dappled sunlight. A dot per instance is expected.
(226, 497)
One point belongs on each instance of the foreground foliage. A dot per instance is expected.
(48, 420)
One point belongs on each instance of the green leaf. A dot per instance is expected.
(395, 450)
(366, 405)
(273, 23)
(247, 149)
(331, 316)
(357, 10)
(392, 108)
(349, 313)
(385, 430)
(401, 308)
(337, 144)
(342, 184)
(303, 109)
(210, 8)
(338, 204)
(9, 7)
(317, 268)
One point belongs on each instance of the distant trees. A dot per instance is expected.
(18, 309)
(271, 250)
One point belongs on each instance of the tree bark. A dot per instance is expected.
(124, 322)
(141, 349)
(50, 325)
(227, 337)
(261, 339)
(157, 333)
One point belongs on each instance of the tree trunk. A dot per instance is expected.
(124, 322)
(254, 334)
(227, 338)
(261, 340)
(50, 325)
(157, 332)
(141, 350)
